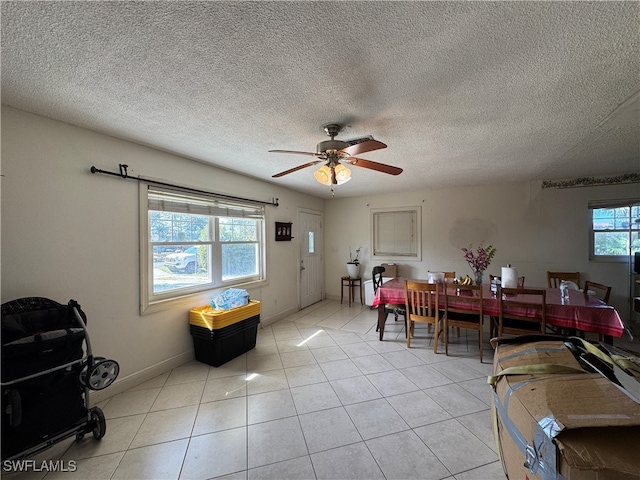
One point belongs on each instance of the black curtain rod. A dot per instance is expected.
(123, 174)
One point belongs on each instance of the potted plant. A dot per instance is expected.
(353, 265)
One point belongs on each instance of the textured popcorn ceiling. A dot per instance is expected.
(463, 93)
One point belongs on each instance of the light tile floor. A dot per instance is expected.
(320, 397)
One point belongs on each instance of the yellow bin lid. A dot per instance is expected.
(212, 319)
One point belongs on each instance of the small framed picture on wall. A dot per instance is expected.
(283, 231)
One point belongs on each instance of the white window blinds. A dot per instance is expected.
(167, 200)
(618, 203)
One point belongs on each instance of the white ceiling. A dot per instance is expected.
(463, 93)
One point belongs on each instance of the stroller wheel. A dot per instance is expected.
(101, 375)
(82, 376)
(99, 423)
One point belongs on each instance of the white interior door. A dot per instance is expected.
(311, 257)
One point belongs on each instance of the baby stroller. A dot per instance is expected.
(47, 374)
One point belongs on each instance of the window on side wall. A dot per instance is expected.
(395, 233)
(615, 229)
(192, 243)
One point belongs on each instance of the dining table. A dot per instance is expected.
(580, 312)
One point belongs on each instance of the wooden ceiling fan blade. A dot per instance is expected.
(368, 145)
(295, 169)
(295, 152)
(380, 167)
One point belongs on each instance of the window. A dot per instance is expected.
(312, 244)
(615, 229)
(396, 233)
(192, 243)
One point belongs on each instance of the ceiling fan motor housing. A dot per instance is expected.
(331, 145)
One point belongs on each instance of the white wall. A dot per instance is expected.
(67, 233)
(533, 229)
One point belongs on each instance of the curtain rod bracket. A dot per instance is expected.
(123, 170)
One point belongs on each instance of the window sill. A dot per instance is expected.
(193, 300)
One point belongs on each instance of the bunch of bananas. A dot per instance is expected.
(466, 280)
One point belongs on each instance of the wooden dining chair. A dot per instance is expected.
(554, 278)
(513, 301)
(448, 277)
(493, 321)
(463, 309)
(603, 292)
(421, 303)
(396, 309)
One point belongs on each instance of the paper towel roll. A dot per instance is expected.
(509, 277)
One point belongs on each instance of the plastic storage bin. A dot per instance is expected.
(209, 318)
(236, 332)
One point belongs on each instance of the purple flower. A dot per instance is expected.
(481, 258)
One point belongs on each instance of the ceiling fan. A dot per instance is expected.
(336, 153)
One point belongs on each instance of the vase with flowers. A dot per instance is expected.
(353, 265)
(479, 260)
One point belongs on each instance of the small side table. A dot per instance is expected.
(351, 283)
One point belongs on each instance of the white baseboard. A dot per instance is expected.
(264, 322)
(123, 384)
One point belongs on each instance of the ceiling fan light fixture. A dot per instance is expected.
(323, 174)
(343, 174)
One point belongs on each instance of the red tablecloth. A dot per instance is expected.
(580, 312)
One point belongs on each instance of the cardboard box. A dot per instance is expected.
(390, 270)
(560, 421)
